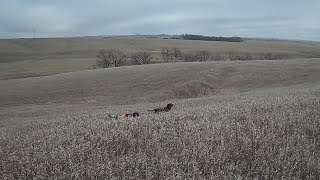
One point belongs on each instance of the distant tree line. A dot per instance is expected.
(211, 38)
(115, 58)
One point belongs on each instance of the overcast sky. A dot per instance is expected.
(288, 19)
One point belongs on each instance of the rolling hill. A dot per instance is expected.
(231, 119)
(37, 57)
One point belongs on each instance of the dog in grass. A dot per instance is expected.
(162, 109)
(136, 114)
(122, 116)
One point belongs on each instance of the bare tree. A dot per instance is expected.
(247, 56)
(167, 55)
(103, 59)
(189, 58)
(270, 56)
(117, 57)
(141, 57)
(202, 56)
(217, 57)
(106, 57)
(176, 54)
(281, 56)
(233, 56)
(239, 56)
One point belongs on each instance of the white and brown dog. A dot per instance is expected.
(123, 116)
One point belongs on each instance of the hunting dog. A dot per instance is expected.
(123, 116)
(163, 109)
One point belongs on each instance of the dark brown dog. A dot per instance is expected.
(164, 109)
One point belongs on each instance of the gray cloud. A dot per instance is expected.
(291, 19)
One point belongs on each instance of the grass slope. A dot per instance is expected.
(37, 57)
(259, 119)
(158, 82)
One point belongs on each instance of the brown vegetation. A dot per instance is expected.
(171, 55)
(38, 57)
(106, 57)
(177, 55)
(259, 135)
(140, 58)
(230, 120)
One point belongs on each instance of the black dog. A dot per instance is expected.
(164, 109)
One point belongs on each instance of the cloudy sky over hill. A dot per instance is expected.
(288, 19)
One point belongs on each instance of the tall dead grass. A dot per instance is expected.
(262, 135)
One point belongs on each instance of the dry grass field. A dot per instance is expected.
(37, 57)
(230, 120)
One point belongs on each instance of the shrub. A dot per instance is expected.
(189, 57)
(177, 54)
(141, 58)
(106, 57)
(270, 56)
(171, 55)
(103, 59)
(239, 56)
(167, 55)
(217, 57)
(202, 56)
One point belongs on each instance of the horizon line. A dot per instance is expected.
(122, 35)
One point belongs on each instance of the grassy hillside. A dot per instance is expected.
(250, 120)
(158, 82)
(38, 57)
